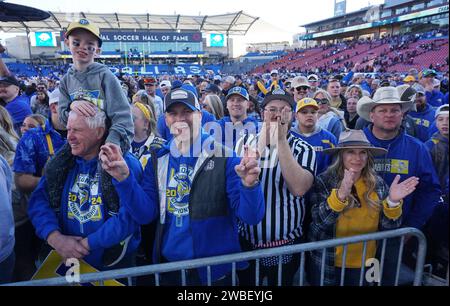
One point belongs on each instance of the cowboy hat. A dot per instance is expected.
(383, 96)
(355, 139)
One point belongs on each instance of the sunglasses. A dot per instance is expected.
(305, 88)
(322, 101)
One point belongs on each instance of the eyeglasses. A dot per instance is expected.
(305, 88)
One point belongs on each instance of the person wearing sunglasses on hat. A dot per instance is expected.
(427, 79)
(423, 114)
(351, 199)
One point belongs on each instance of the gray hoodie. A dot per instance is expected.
(6, 214)
(99, 85)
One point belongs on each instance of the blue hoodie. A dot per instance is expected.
(19, 109)
(408, 157)
(89, 219)
(230, 136)
(424, 121)
(32, 151)
(320, 140)
(435, 98)
(194, 238)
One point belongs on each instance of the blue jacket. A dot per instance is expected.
(19, 109)
(424, 121)
(320, 140)
(435, 98)
(250, 122)
(89, 219)
(32, 151)
(164, 131)
(210, 236)
(333, 125)
(408, 157)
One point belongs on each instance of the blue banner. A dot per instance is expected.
(149, 36)
(166, 69)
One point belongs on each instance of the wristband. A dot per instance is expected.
(392, 204)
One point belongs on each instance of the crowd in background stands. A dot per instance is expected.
(393, 54)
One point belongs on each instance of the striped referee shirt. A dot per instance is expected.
(284, 212)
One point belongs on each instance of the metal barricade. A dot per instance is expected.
(184, 266)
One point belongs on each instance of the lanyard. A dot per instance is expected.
(51, 150)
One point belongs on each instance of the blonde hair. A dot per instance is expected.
(6, 123)
(359, 88)
(368, 175)
(38, 118)
(216, 105)
(152, 120)
(332, 109)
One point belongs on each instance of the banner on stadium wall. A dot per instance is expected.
(54, 266)
(147, 36)
(166, 69)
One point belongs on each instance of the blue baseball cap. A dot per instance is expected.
(241, 91)
(184, 96)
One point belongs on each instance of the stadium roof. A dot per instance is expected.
(232, 23)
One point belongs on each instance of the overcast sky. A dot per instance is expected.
(280, 19)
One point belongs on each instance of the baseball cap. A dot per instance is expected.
(429, 73)
(419, 88)
(274, 72)
(86, 25)
(165, 83)
(217, 78)
(238, 91)
(53, 97)
(149, 81)
(306, 102)
(184, 96)
(409, 78)
(313, 78)
(300, 81)
(442, 110)
(279, 94)
(212, 88)
(9, 79)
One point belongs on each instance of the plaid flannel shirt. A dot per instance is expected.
(323, 225)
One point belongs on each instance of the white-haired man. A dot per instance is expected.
(82, 217)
